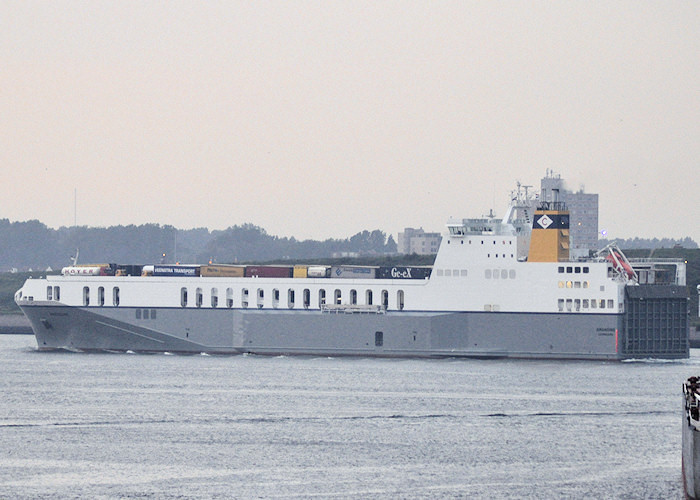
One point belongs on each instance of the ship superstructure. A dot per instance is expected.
(499, 287)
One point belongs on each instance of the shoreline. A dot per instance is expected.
(15, 324)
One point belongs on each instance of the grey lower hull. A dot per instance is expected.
(275, 332)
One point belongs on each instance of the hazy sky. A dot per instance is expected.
(320, 119)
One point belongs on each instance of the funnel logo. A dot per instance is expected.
(544, 221)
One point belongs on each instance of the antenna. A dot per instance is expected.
(75, 207)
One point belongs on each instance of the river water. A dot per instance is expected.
(77, 425)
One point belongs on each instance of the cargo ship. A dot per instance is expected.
(691, 438)
(499, 287)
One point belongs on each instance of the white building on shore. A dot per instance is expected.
(419, 242)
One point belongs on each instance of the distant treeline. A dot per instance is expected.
(651, 243)
(33, 245)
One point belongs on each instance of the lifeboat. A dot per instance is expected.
(620, 264)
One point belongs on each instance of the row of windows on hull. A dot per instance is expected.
(488, 273)
(54, 293)
(260, 300)
(570, 305)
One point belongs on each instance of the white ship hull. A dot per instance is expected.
(484, 296)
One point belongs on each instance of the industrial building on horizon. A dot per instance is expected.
(417, 241)
(583, 221)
